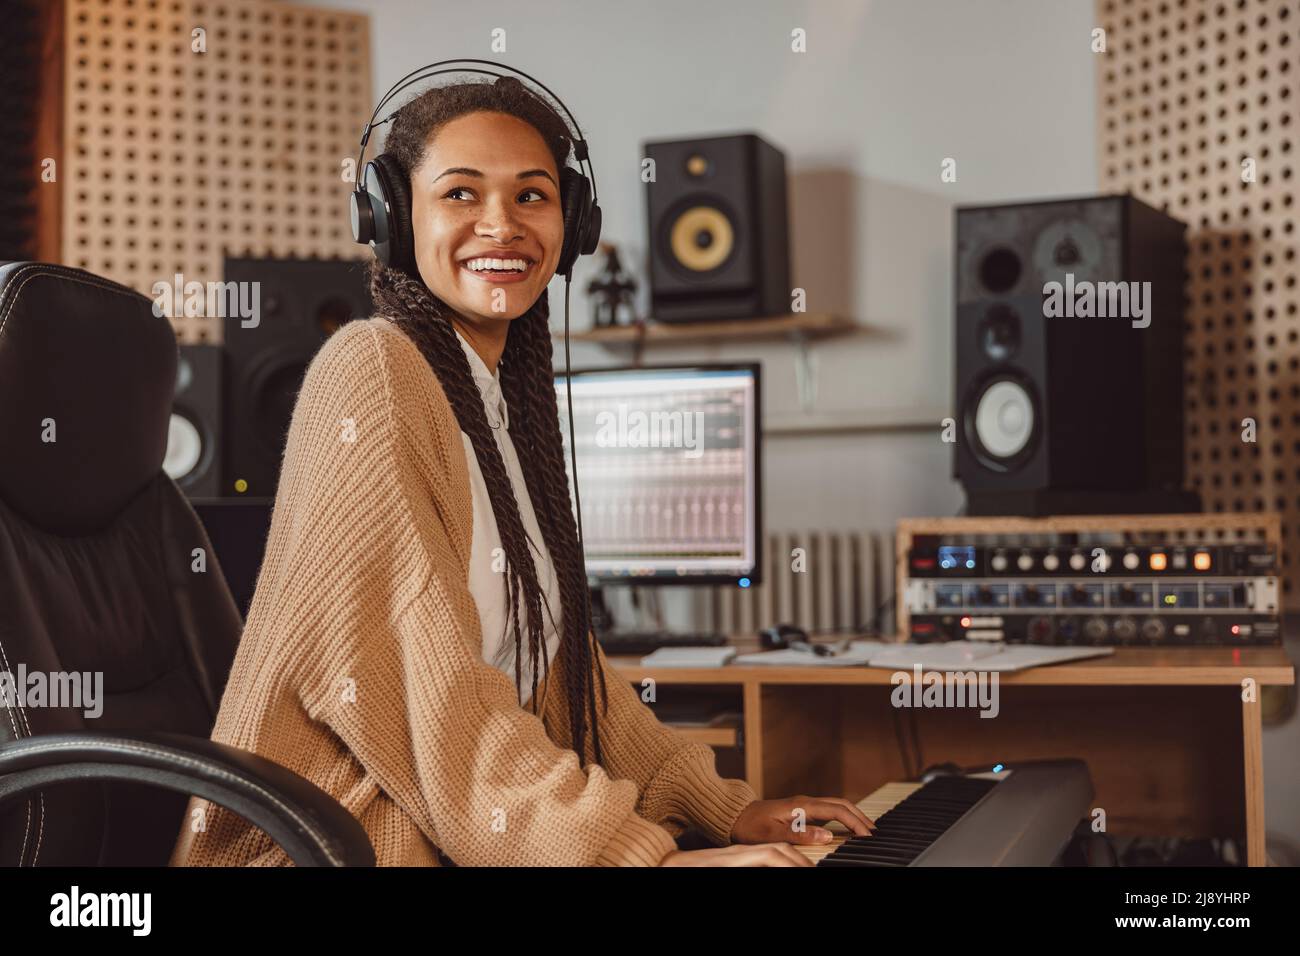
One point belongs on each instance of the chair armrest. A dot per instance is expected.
(305, 821)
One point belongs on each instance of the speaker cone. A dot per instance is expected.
(701, 238)
(184, 447)
(275, 392)
(1001, 422)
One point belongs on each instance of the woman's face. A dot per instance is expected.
(487, 187)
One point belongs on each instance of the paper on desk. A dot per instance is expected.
(857, 655)
(979, 656)
(951, 655)
(689, 657)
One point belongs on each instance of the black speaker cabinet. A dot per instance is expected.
(301, 303)
(238, 529)
(719, 240)
(194, 436)
(1069, 351)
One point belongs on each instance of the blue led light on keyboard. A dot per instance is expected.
(998, 768)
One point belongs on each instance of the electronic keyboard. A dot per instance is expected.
(1021, 815)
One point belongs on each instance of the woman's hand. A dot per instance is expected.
(765, 821)
(766, 854)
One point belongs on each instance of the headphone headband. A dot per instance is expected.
(580, 152)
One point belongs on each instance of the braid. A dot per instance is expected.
(528, 382)
(425, 320)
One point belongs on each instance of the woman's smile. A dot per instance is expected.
(499, 269)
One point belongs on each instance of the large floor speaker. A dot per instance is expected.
(719, 235)
(302, 302)
(194, 436)
(1070, 395)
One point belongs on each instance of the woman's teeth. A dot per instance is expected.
(497, 265)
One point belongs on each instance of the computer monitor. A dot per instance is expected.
(669, 472)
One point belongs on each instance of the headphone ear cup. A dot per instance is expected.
(591, 234)
(575, 192)
(397, 193)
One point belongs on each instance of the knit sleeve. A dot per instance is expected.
(397, 674)
(675, 775)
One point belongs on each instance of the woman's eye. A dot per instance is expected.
(451, 193)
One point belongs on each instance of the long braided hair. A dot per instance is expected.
(528, 386)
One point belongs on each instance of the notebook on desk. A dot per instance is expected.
(689, 657)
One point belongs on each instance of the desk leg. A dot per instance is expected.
(1253, 752)
(754, 736)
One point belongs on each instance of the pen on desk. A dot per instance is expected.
(821, 650)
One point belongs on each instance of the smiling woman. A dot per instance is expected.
(419, 644)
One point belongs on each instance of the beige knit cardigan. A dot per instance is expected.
(361, 667)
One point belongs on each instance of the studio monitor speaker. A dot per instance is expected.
(1069, 348)
(194, 436)
(301, 303)
(719, 244)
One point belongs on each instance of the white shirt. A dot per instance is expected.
(488, 585)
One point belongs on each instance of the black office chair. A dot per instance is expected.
(100, 571)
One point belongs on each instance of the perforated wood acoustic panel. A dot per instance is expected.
(1188, 92)
(175, 158)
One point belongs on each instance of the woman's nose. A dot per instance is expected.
(499, 221)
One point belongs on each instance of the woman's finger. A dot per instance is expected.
(782, 854)
(837, 808)
(809, 836)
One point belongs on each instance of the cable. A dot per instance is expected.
(878, 619)
(904, 752)
(916, 738)
(573, 450)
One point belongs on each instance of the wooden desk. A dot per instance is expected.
(1172, 747)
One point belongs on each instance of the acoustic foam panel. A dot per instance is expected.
(176, 158)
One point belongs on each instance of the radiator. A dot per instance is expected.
(846, 585)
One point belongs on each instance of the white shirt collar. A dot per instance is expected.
(489, 386)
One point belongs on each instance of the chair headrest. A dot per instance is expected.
(85, 362)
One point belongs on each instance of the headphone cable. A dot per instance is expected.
(573, 452)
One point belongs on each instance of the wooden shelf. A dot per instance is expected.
(918, 418)
(806, 325)
(800, 330)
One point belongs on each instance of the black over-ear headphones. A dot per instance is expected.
(381, 203)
